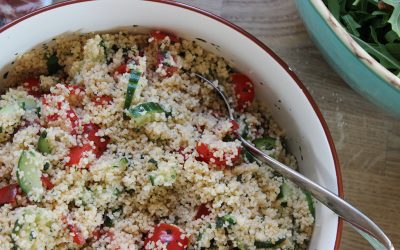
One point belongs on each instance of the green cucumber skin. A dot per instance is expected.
(31, 177)
(131, 89)
(44, 143)
(144, 112)
(310, 203)
(268, 244)
(265, 143)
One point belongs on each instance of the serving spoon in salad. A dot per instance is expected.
(363, 225)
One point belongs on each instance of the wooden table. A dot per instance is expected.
(367, 139)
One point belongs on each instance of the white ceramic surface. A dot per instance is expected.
(276, 85)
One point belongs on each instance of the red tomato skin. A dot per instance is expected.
(102, 100)
(161, 35)
(76, 154)
(202, 210)
(244, 90)
(8, 194)
(100, 143)
(122, 69)
(32, 86)
(170, 234)
(47, 182)
(76, 234)
(206, 155)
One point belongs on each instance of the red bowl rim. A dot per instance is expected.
(262, 46)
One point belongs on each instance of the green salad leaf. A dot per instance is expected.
(375, 25)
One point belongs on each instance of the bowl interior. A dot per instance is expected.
(308, 138)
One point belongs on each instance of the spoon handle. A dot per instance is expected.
(363, 225)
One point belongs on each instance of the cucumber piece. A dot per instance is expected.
(33, 224)
(265, 143)
(310, 202)
(29, 171)
(145, 112)
(163, 176)
(10, 116)
(133, 85)
(121, 163)
(284, 194)
(44, 143)
(28, 103)
(226, 219)
(268, 244)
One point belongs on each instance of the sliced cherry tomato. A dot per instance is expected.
(8, 194)
(171, 70)
(244, 90)
(100, 143)
(235, 125)
(32, 86)
(47, 182)
(206, 154)
(71, 116)
(202, 210)
(102, 100)
(100, 232)
(160, 35)
(76, 234)
(170, 235)
(122, 69)
(77, 153)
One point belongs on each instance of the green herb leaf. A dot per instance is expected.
(395, 18)
(351, 25)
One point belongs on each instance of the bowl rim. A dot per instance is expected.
(263, 47)
(388, 77)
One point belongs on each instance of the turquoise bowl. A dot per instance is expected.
(362, 72)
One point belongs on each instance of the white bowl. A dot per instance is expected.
(276, 85)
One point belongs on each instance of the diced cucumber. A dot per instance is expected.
(10, 118)
(27, 103)
(285, 193)
(145, 112)
(10, 109)
(310, 202)
(29, 172)
(268, 244)
(227, 219)
(30, 229)
(265, 143)
(44, 145)
(248, 155)
(133, 85)
(163, 176)
(121, 163)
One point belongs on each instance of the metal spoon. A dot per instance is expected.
(363, 225)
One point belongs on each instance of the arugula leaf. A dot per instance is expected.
(351, 25)
(375, 25)
(374, 51)
(395, 19)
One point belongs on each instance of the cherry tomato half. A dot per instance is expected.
(90, 130)
(47, 182)
(160, 35)
(8, 194)
(32, 86)
(206, 154)
(102, 100)
(244, 90)
(122, 69)
(202, 210)
(77, 153)
(170, 235)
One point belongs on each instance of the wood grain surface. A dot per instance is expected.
(367, 139)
